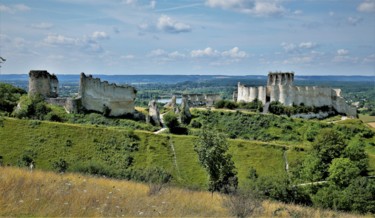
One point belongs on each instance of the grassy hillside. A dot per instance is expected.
(47, 143)
(46, 194)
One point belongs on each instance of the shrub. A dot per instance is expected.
(94, 168)
(26, 158)
(195, 124)
(242, 203)
(60, 165)
(9, 96)
(171, 120)
(157, 178)
(52, 116)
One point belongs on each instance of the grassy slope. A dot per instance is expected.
(49, 139)
(45, 194)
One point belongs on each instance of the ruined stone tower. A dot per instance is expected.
(43, 83)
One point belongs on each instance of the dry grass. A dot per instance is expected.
(38, 193)
(371, 124)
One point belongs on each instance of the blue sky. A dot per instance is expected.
(231, 37)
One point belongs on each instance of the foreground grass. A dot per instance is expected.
(38, 193)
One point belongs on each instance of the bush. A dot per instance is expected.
(94, 168)
(157, 178)
(195, 124)
(171, 120)
(9, 96)
(60, 165)
(52, 116)
(242, 203)
(226, 104)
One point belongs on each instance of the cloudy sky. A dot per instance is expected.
(232, 37)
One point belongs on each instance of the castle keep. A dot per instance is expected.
(280, 88)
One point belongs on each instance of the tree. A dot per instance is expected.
(328, 145)
(355, 152)
(342, 171)
(9, 96)
(212, 149)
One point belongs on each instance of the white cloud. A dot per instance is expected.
(297, 12)
(342, 56)
(14, 8)
(369, 59)
(342, 52)
(86, 43)
(299, 60)
(354, 20)
(157, 52)
(42, 26)
(307, 45)
(153, 4)
(169, 25)
(254, 7)
(60, 40)
(288, 47)
(234, 53)
(207, 52)
(345, 59)
(176, 54)
(367, 6)
(100, 35)
(164, 24)
(166, 55)
(331, 13)
(291, 47)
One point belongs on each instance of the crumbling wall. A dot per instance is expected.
(43, 83)
(100, 96)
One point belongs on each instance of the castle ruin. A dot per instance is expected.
(99, 96)
(94, 95)
(43, 83)
(280, 88)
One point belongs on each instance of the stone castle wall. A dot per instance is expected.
(43, 83)
(280, 88)
(97, 95)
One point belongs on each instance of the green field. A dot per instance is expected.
(48, 142)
